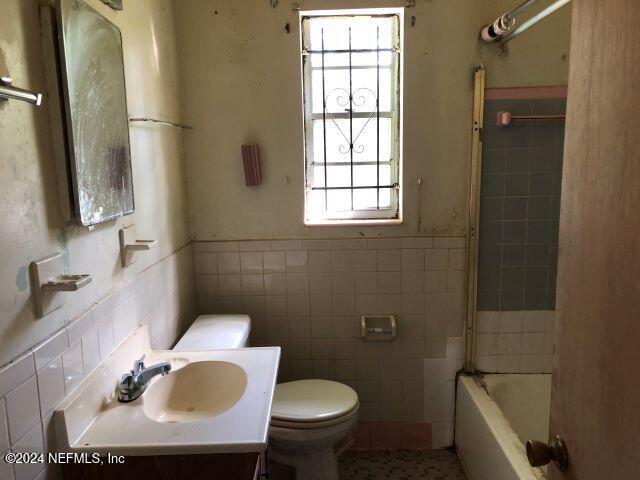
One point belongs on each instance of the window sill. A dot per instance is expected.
(353, 223)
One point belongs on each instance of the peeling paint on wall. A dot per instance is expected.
(32, 226)
(241, 101)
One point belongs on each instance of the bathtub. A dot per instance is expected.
(495, 415)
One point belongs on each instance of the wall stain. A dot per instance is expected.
(62, 240)
(22, 281)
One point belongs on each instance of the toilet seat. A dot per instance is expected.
(312, 404)
(314, 425)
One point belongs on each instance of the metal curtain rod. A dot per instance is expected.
(502, 30)
(163, 122)
(520, 8)
(533, 20)
(7, 92)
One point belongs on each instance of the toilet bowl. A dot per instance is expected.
(308, 419)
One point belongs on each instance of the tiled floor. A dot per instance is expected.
(400, 465)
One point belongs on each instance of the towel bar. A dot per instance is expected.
(8, 92)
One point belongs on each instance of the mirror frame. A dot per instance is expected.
(73, 161)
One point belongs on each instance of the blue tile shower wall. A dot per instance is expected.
(520, 207)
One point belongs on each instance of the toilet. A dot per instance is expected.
(215, 332)
(309, 418)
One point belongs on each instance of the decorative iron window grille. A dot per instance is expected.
(351, 79)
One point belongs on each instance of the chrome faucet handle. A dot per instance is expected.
(135, 382)
(138, 365)
(126, 381)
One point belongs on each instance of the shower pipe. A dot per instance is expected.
(502, 28)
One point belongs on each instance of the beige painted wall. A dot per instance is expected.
(241, 77)
(31, 225)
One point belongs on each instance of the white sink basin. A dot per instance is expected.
(196, 392)
(216, 401)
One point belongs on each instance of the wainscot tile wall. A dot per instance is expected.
(33, 385)
(515, 342)
(307, 297)
(520, 208)
(518, 253)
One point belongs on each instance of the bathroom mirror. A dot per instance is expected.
(95, 110)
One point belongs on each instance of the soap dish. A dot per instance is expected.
(141, 245)
(48, 282)
(66, 283)
(130, 244)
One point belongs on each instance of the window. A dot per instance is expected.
(351, 66)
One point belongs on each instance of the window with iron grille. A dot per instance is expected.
(351, 67)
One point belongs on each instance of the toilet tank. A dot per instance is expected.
(213, 332)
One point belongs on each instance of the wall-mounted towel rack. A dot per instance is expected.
(163, 122)
(505, 118)
(8, 92)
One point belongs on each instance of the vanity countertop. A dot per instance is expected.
(93, 420)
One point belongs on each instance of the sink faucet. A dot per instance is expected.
(135, 382)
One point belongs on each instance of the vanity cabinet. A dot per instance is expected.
(223, 466)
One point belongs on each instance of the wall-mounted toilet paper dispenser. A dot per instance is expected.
(378, 327)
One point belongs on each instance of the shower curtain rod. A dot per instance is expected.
(502, 30)
(520, 8)
(533, 20)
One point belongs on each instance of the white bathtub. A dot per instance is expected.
(495, 415)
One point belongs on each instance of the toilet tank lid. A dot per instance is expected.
(211, 332)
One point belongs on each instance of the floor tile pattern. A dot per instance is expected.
(400, 465)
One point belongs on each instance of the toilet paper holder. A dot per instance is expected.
(378, 327)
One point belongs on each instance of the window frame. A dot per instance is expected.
(387, 215)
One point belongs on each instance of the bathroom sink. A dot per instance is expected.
(198, 391)
(211, 401)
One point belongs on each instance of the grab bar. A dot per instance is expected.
(8, 92)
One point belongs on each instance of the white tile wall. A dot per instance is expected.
(307, 296)
(6, 470)
(439, 392)
(73, 366)
(515, 342)
(52, 348)
(32, 442)
(21, 369)
(50, 386)
(23, 409)
(4, 428)
(33, 385)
